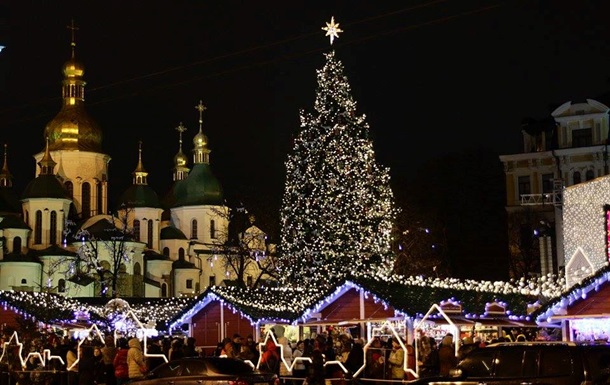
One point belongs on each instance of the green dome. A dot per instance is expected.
(200, 188)
(139, 195)
(46, 186)
(171, 232)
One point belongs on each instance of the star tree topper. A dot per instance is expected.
(332, 30)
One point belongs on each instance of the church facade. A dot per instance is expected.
(60, 235)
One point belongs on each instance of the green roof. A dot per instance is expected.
(200, 188)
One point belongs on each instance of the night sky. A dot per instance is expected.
(433, 77)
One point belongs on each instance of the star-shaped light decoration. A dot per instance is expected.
(332, 30)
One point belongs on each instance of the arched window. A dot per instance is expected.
(53, 230)
(86, 207)
(24, 281)
(181, 254)
(61, 285)
(136, 230)
(164, 290)
(590, 175)
(17, 245)
(38, 228)
(194, 229)
(100, 201)
(576, 177)
(166, 251)
(212, 229)
(137, 269)
(70, 187)
(150, 234)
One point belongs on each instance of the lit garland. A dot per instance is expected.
(576, 293)
(409, 296)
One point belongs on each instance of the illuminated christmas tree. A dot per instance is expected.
(338, 208)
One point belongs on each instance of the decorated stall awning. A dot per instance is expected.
(588, 299)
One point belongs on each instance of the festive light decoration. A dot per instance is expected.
(558, 304)
(332, 30)
(585, 226)
(338, 207)
(385, 328)
(14, 341)
(87, 335)
(409, 296)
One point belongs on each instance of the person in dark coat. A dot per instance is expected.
(430, 366)
(355, 358)
(87, 364)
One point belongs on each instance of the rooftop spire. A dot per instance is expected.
(47, 164)
(180, 160)
(200, 141)
(139, 175)
(200, 107)
(6, 178)
(73, 29)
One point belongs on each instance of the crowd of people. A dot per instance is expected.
(312, 361)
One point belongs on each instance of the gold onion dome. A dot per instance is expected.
(73, 69)
(200, 140)
(73, 128)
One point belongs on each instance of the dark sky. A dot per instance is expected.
(432, 77)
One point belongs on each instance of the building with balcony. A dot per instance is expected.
(565, 149)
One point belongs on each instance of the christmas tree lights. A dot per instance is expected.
(338, 207)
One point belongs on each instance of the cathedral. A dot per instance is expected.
(60, 236)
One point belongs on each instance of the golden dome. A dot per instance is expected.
(73, 69)
(200, 140)
(180, 160)
(73, 129)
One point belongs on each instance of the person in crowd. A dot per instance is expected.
(108, 353)
(430, 365)
(286, 358)
(446, 355)
(355, 358)
(99, 370)
(299, 371)
(86, 365)
(71, 362)
(121, 369)
(190, 348)
(247, 354)
(155, 350)
(270, 359)
(228, 350)
(466, 347)
(135, 360)
(175, 351)
(316, 373)
(253, 347)
(375, 360)
(237, 342)
(396, 361)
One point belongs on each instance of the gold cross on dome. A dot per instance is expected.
(200, 107)
(332, 30)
